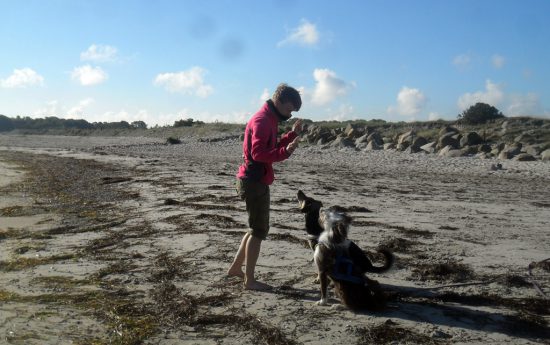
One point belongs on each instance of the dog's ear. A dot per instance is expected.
(342, 230)
(301, 195)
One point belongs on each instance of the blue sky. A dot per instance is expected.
(160, 61)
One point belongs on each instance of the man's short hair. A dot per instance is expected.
(285, 93)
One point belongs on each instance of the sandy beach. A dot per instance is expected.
(127, 240)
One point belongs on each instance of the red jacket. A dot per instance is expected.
(261, 148)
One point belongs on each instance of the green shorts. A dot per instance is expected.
(256, 196)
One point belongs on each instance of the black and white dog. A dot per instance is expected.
(339, 259)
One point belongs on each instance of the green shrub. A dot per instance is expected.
(480, 113)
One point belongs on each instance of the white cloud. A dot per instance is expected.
(410, 102)
(493, 95)
(51, 109)
(498, 61)
(524, 105)
(434, 116)
(99, 53)
(87, 75)
(185, 82)
(345, 112)
(462, 60)
(265, 96)
(305, 35)
(328, 87)
(78, 110)
(21, 78)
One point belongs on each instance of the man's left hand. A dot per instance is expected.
(298, 127)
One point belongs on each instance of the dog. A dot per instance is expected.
(339, 259)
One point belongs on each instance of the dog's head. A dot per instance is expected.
(335, 223)
(307, 204)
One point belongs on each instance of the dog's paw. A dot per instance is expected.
(322, 302)
(338, 307)
(317, 280)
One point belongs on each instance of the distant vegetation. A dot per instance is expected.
(480, 113)
(41, 124)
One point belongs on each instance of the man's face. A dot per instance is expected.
(286, 109)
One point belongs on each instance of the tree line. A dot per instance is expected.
(51, 122)
(476, 114)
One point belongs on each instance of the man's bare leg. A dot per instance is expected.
(236, 270)
(252, 253)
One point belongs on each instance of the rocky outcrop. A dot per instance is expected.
(502, 141)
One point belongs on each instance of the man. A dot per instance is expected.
(260, 150)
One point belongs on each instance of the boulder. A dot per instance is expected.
(406, 137)
(450, 151)
(514, 148)
(470, 139)
(372, 145)
(524, 157)
(483, 155)
(446, 130)
(362, 139)
(376, 137)
(352, 131)
(447, 140)
(509, 151)
(469, 150)
(402, 146)
(484, 148)
(429, 147)
(418, 142)
(545, 155)
(413, 149)
(342, 142)
(533, 150)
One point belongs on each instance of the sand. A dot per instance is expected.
(127, 240)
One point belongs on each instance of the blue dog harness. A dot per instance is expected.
(343, 270)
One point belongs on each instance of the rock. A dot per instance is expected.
(471, 138)
(372, 145)
(446, 130)
(418, 142)
(173, 141)
(362, 139)
(524, 157)
(412, 149)
(545, 155)
(352, 131)
(469, 150)
(484, 148)
(533, 150)
(483, 155)
(450, 151)
(342, 142)
(389, 146)
(376, 137)
(406, 138)
(511, 149)
(495, 167)
(447, 140)
(402, 146)
(429, 148)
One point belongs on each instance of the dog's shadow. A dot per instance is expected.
(427, 306)
(452, 310)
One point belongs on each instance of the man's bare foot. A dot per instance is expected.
(235, 272)
(258, 286)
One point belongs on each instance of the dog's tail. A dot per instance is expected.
(389, 258)
(360, 258)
